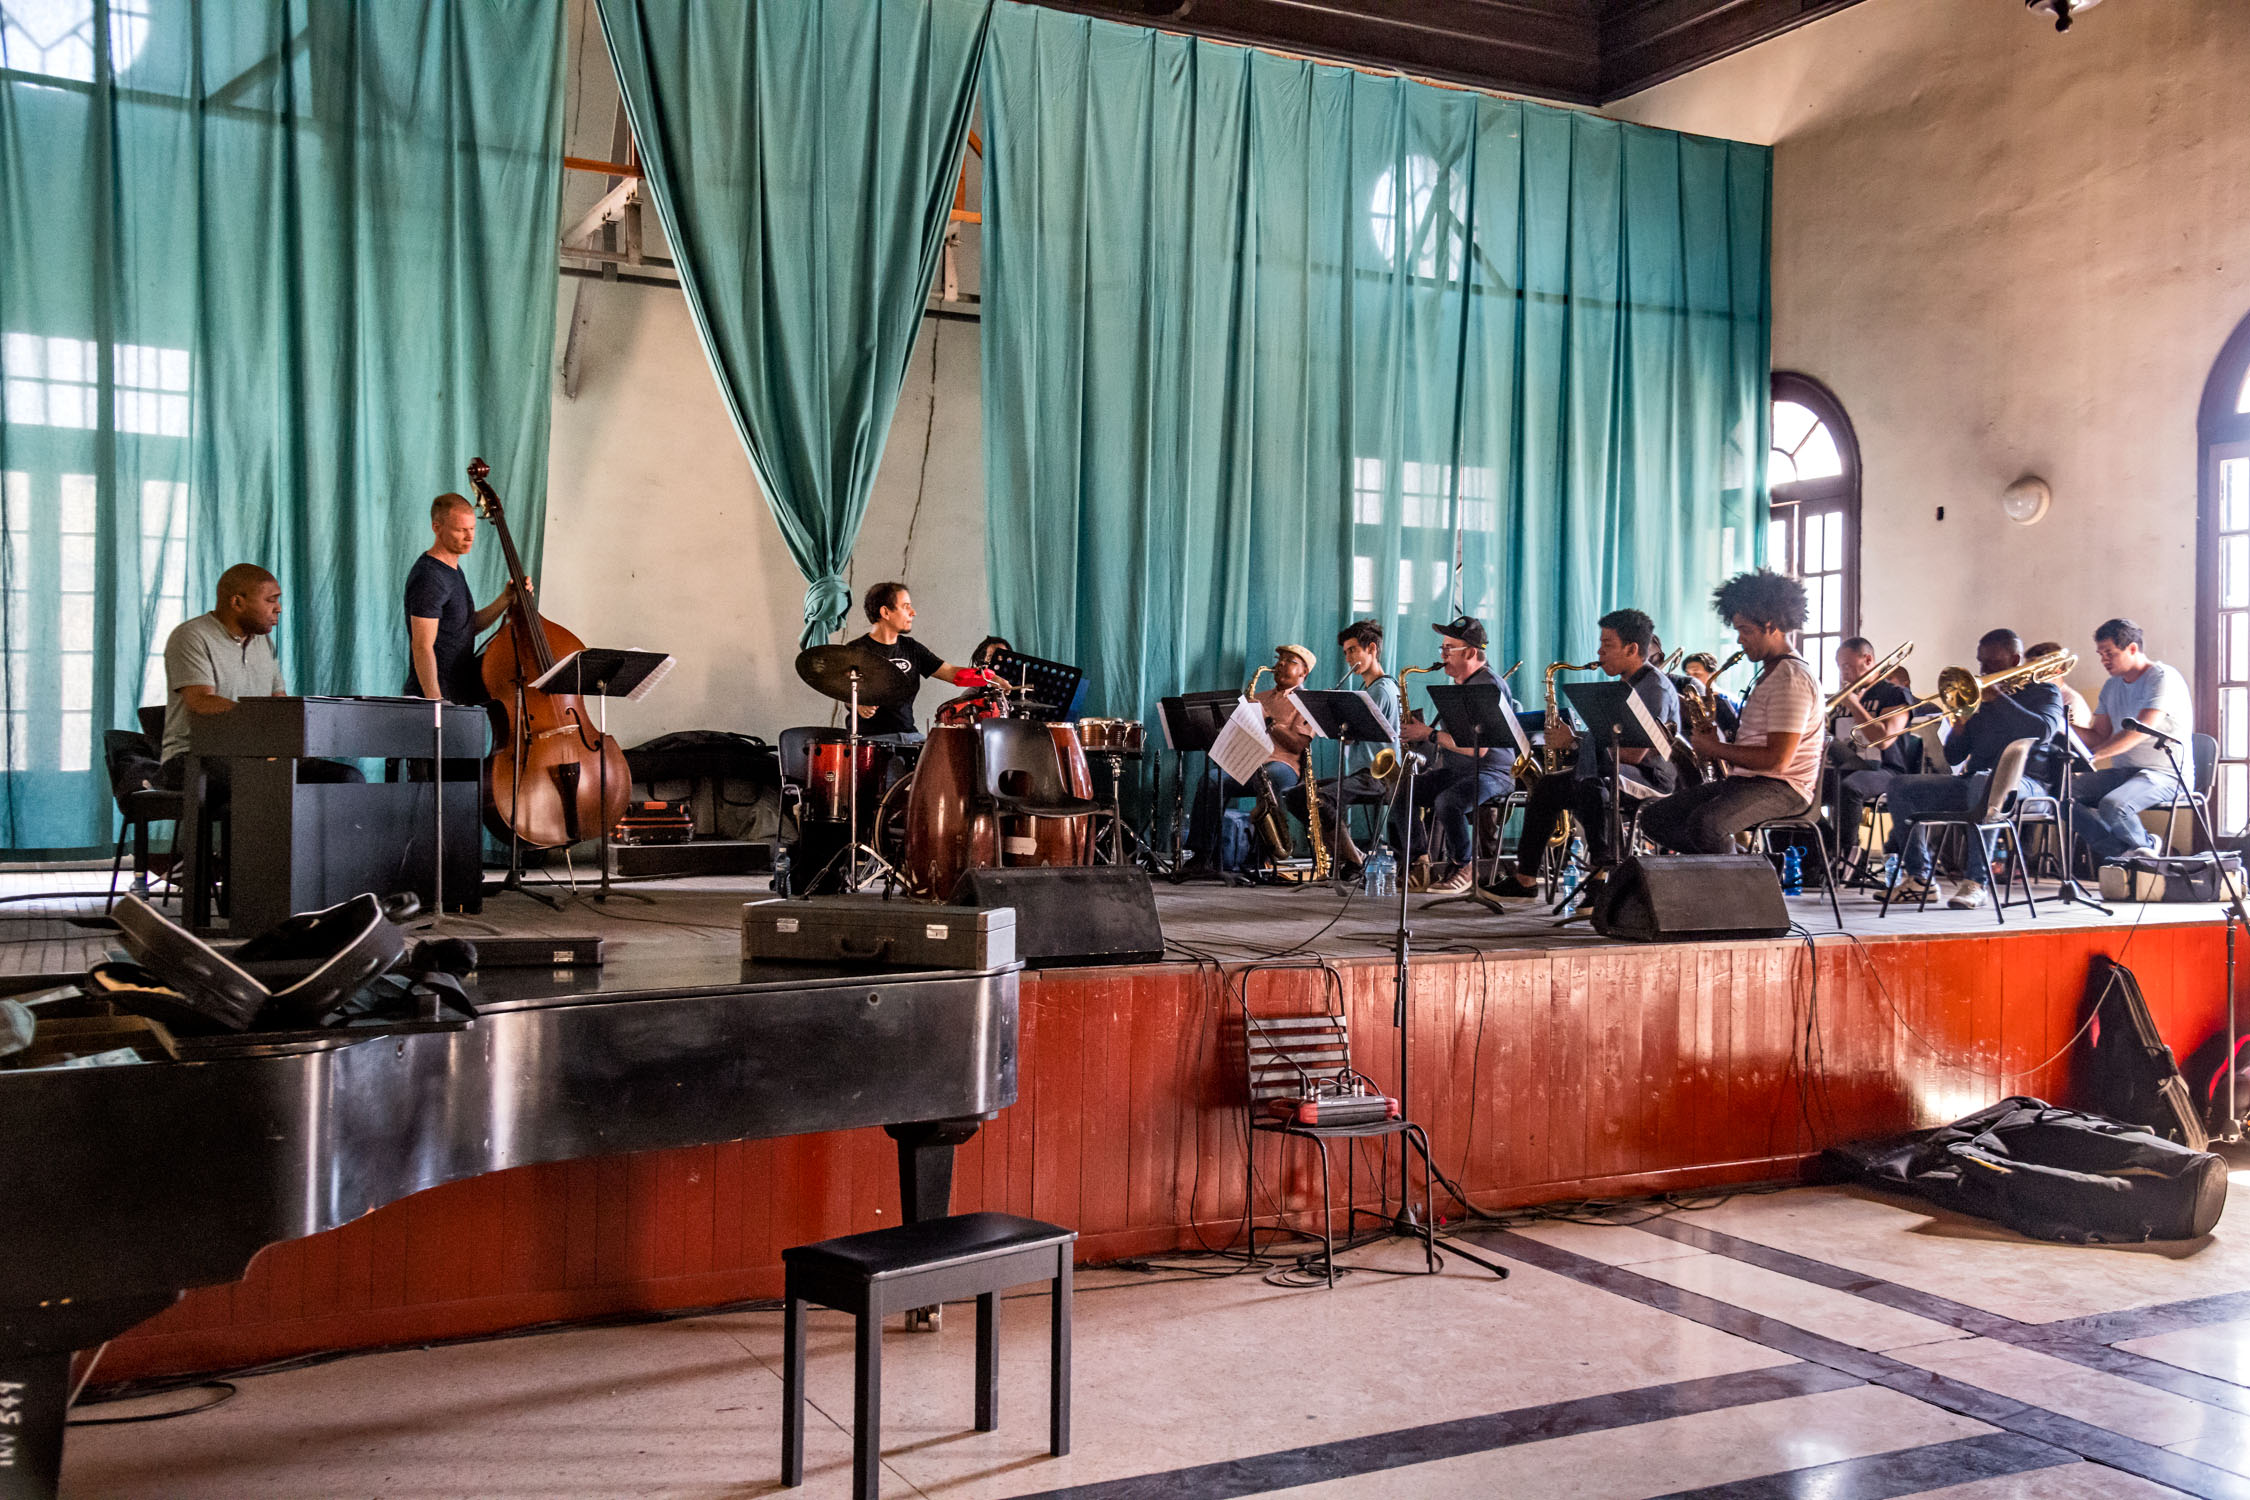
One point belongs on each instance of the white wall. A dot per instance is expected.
(2007, 252)
(657, 535)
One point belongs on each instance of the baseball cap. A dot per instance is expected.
(1464, 628)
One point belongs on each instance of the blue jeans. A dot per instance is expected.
(1452, 791)
(2108, 811)
(1211, 799)
(1913, 798)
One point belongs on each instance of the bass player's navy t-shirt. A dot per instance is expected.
(437, 592)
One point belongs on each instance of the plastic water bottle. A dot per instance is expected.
(1890, 870)
(1792, 871)
(781, 867)
(1379, 877)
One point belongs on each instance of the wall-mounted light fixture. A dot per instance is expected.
(2026, 501)
(2064, 11)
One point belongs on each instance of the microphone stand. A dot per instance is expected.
(2235, 910)
(2070, 890)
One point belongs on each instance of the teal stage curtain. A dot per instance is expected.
(271, 273)
(803, 155)
(1270, 346)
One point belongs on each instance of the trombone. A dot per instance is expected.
(1959, 690)
(1882, 669)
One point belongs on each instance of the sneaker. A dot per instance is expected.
(1967, 895)
(1912, 888)
(1459, 883)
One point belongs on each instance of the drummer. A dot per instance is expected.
(890, 616)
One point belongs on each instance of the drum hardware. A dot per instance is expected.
(856, 675)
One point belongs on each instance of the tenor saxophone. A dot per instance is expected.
(1386, 767)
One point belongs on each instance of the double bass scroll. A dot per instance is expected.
(555, 778)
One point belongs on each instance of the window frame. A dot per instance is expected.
(2222, 434)
(1839, 493)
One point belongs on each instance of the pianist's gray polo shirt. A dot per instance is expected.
(201, 653)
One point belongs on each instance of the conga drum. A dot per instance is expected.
(946, 833)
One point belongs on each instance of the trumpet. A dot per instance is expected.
(1959, 690)
(1882, 668)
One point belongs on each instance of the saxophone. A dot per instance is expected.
(1312, 815)
(1269, 825)
(1386, 767)
(1529, 771)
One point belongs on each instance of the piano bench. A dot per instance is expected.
(915, 1265)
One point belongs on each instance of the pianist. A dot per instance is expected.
(215, 660)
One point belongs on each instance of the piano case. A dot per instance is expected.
(869, 932)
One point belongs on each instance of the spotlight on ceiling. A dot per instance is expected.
(2064, 11)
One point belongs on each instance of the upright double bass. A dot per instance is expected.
(555, 779)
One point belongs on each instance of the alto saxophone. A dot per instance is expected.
(1268, 823)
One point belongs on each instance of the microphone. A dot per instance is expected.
(2153, 733)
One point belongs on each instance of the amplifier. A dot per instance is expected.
(871, 933)
(654, 823)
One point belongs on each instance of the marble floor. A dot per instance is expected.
(1819, 1342)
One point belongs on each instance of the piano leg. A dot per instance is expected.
(925, 1165)
(35, 1350)
(925, 1186)
(34, 1389)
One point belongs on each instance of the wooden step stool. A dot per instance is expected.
(914, 1265)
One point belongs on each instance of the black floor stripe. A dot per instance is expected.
(1379, 1451)
(2146, 1322)
(1880, 1476)
(2062, 1340)
(2095, 1443)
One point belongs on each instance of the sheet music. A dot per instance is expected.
(1243, 744)
(1659, 741)
(1377, 714)
(1515, 725)
(657, 674)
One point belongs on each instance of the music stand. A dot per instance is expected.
(1612, 710)
(2076, 755)
(1349, 718)
(1479, 719)
(1191, 722)
(1043, 691)
(603, 673)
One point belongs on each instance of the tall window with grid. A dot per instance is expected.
(1812, 475)
(2222, 590)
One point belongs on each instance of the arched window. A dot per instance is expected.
(1812, 476)
(2222, 579)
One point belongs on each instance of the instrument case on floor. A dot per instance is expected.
(869, 932)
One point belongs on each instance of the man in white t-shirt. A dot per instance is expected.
(1772, 768)
(2108, 803)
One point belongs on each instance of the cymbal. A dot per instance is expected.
(828, 670)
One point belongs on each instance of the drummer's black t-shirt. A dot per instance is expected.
(908, 655)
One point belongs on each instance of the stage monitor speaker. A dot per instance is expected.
(1069, 915)
(1688, 897)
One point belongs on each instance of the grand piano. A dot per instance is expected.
(122, 1186)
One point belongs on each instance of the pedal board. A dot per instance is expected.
(1335, 1109)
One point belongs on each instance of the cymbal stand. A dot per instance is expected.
(852, 877)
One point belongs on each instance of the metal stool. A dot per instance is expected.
(914, 1265)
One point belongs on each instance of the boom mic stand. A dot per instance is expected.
(1402, 1223)
(2235, 910)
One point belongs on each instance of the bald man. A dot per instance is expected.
(215, 660)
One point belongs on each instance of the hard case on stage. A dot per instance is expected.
(870, 932)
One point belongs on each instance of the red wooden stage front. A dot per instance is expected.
(1591, 1071)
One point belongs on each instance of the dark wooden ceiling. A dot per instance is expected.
(1579, 51)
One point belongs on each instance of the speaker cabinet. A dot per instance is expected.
(1073, 915)
(1662, 898)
